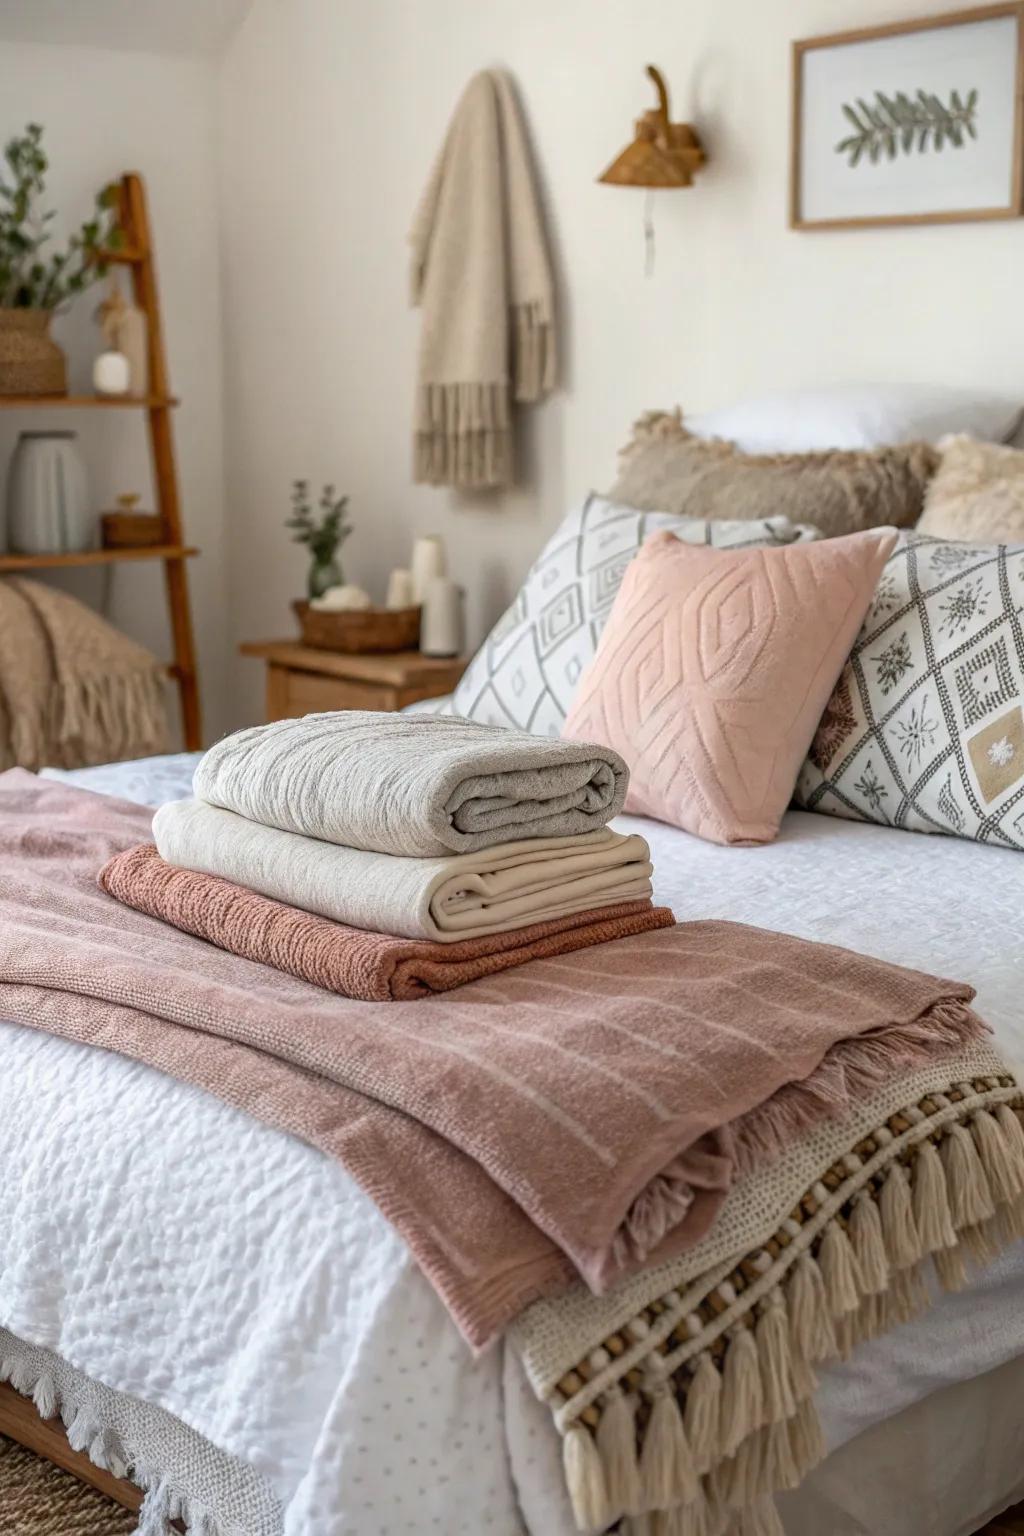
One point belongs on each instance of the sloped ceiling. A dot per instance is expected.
(150, 26)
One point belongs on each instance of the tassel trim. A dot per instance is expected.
(722, 1419)
(103, 1445)
(463, 435)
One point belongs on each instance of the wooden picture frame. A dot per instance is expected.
(804, 51)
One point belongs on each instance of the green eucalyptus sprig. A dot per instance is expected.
(325, 534)
(31, 278)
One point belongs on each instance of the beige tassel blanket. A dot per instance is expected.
(482, 277)
(74, 691)
(685, 1398)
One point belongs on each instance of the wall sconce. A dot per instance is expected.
(663, 155)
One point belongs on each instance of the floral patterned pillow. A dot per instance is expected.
(925, 728)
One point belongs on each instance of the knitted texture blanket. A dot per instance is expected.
(73, 690)
(413, 785)
(685, 1397)
(578, 1116)
(482, 277)
(374, 966)
(463, 896)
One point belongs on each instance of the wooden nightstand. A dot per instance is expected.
(301, 681)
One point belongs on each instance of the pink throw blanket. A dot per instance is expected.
(377, 967)
(582, 1114)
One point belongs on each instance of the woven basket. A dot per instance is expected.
(354, 630)
(31, 363)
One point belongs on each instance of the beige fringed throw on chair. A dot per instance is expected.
(481, 274)
(73, 690)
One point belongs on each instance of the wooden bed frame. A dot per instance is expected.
(20, 1421)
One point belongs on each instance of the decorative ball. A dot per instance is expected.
(337, 599)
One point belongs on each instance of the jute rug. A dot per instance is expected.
(36, 1499)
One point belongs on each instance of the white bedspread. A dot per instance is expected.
(175, 1250)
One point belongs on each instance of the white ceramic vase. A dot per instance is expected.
(48, 503)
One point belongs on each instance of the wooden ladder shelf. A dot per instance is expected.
(136, 253)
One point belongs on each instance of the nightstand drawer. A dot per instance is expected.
(292, 693)
(303, 681)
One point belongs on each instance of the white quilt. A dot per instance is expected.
(177, 1251)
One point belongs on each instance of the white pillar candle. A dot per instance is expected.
(428, 561)
(441, 627)
(111, 374)
(399, 589)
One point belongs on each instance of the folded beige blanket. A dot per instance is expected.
(584, 1114)
(414, 785)
(353, 961)
(463, 896)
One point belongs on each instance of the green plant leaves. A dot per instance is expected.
(895, 124)
(30, 278)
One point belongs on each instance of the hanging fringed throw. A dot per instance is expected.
(482, 277)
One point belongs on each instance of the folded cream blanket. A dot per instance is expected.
(416, 785)
(462, 896)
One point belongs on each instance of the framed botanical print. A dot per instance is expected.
(919, 122)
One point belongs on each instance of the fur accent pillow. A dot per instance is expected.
(977, 493)
(713, 670)
(666, 467)
(527, 670)
(925, 728)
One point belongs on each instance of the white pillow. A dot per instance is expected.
(859, 416)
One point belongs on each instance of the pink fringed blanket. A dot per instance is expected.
(581, 1115)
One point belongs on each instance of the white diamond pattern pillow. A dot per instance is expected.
(925, 727)
(527, 670)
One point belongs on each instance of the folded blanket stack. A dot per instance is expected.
(384, 856)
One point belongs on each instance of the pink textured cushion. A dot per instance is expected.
(714, 669)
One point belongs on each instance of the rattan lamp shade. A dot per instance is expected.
(662, 154)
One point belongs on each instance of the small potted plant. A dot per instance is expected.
(351, 625)
(324, 535)
(35, 283)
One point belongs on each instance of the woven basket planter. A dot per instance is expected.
(31, 363)
(357, 630)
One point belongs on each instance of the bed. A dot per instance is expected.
(192, 1282)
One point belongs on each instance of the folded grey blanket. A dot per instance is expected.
(418, 785)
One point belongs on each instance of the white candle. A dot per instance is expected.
(428, 561)
(399, 589)
(111, 374)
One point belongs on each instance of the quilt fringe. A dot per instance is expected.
(694, 1435)
(104, 1447)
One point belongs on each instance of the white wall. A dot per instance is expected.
(105, 113)
(331, 111)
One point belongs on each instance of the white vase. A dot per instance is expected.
(48, 504)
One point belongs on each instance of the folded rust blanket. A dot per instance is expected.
(458, 896)
(588, 1112)
(419, 786)
(376, 967)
